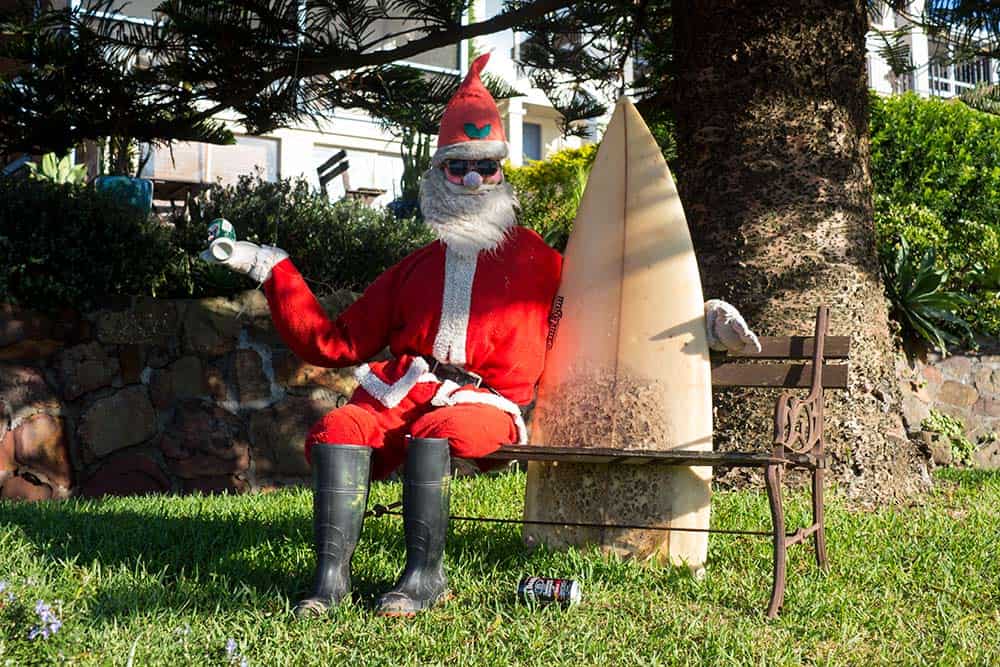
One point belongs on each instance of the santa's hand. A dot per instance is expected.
(244, 257)
(727, 330)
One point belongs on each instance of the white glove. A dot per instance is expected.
(727, 330)
(244, 257)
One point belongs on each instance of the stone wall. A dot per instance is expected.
(156, 396)
(966, 385)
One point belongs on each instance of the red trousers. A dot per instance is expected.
(473, 430)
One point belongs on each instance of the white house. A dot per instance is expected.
(532, 125)
(934, 73)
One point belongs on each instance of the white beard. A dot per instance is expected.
(467, 221)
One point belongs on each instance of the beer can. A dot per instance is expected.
(220, 228)
(221, 239)
(544, 590)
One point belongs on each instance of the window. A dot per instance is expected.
(249, 154)
(394, 33)
(368, 170)
(207, 163)
(532, 141)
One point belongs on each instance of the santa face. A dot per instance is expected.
(468, 206)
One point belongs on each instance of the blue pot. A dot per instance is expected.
(137, 192)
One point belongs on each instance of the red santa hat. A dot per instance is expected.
(471, 128)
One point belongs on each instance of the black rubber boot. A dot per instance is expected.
(426, 496)
(340, 495)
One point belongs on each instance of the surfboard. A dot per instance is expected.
(628, 363)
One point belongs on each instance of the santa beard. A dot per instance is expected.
(467, 221)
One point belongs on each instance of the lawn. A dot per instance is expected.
(168, 580)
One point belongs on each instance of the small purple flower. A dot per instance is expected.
(48, 625)
(230, 647)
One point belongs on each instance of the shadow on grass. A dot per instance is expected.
(150, 559)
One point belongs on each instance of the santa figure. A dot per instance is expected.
(466, 320)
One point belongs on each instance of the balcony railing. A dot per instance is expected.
(952, 79)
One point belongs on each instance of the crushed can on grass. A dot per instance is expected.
(545, 590)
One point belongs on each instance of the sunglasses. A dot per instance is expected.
(460, 168)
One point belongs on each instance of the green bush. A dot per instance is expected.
(64, 244)
(953, 430)
(936, 172)
(921, 303)
(343, 245)
(550, 191)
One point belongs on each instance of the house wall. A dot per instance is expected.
(927, 78)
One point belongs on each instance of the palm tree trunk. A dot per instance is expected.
(771, 106)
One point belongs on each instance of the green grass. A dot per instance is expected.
(169, 580)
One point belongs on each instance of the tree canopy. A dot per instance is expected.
(275, 63)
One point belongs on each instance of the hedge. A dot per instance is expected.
(936, 172)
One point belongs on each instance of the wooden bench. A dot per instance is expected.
(797, 441)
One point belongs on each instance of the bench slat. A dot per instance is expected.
(797, 347)
(777, 375)
(630, 456)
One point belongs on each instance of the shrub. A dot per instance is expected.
(953, 430)
(343, 245)
(915, 286)
(66, 244)
(550, 191)
(936, 172)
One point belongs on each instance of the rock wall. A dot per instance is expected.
(965, 385)
(156, 396)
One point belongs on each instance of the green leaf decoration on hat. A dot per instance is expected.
(474, 132)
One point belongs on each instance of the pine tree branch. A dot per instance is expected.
(347, 61)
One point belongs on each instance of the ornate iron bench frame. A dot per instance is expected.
(798, 435)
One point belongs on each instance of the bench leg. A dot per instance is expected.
(772, 476)
(818, 518)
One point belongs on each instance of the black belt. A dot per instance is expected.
(458, 375)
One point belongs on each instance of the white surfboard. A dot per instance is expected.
(629, 364)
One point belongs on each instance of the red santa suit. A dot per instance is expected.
(488, 314)
(484, 312)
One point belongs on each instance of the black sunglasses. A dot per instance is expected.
(460, 168)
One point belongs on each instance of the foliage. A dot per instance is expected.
(415, 148)
(74, 84)
(937, 179)
(343, 245)
(953, 429)
(915, 285)
(58, 170)
(161, 580)
(550, 191)
(70, 245)
(272, 62)
(62, 244)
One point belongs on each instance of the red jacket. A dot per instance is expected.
(489, 315)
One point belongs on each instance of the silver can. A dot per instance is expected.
(545, 590)
(221, 239)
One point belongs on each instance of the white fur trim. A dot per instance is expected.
(471, 150)
(449, 393)
(264, 262)
(390, 395)
(456, 301)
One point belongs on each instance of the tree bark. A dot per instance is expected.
(771, 104)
